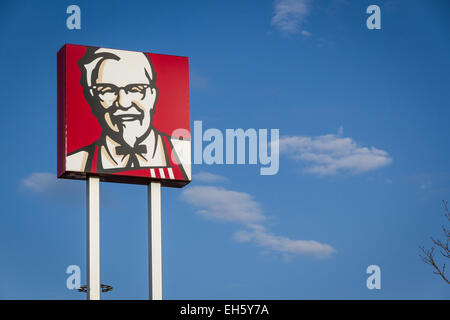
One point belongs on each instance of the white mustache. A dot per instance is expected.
(130, 112)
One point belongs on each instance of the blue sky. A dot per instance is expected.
(378, 100)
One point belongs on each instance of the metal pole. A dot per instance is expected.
(93, 237)
(154, 239)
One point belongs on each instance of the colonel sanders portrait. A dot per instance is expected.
(120, 87)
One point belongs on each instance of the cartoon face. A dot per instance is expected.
(122, 93)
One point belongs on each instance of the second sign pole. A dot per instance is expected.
(93, 237)
(154, 241)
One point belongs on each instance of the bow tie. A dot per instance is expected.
(126, 149)
(132, 151)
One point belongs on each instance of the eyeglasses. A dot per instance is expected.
(109, 92)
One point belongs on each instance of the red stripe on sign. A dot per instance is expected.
(170, 171)
(175, 168)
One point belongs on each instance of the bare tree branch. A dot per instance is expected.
(444, 250)
(429, 259)
(447, 214)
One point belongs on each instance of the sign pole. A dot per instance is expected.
(93, 237)
(154, 241)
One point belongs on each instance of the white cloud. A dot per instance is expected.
(48, 185)
(221, 204)
(197, 80)
(239, 207)
(260, 236)
(331, 154)
(208, 177)
(289, 15)
(306, 33)
(40, 182)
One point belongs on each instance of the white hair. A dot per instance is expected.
(94, 56)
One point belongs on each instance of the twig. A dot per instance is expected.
(429, 259)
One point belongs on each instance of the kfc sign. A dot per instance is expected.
(123, 116)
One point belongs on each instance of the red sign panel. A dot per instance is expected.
(123, 116)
